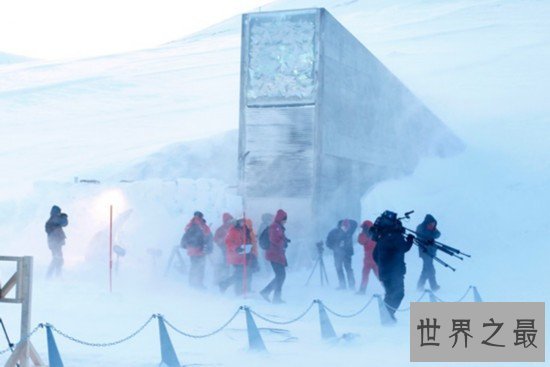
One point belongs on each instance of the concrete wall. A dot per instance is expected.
(322, 120)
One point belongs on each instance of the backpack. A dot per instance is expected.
(333, 238)
(193, 237)
(264, 239)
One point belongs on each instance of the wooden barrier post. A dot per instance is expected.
(22, 281)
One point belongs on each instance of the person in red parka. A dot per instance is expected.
(222, 267)
(275, 254)
(241, 248)
(369, 264)
(197, 239)
(221, 232)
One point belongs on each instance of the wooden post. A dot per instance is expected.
(22, 280)
(26, 293)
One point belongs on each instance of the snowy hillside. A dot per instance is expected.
(6, 58)
(480, 57)
(211, 157)
(148, 117)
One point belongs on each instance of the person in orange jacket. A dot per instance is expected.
(241, 253)
(222, 268)
(197, 239)
(221, 232)
(369, 264)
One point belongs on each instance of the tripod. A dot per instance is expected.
(321, 263)
(176, 256)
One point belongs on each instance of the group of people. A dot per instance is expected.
(239, 245)
(340, 241)
(384, 251)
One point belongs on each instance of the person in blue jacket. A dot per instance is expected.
(427, 233)
(340, 241)
(56, 239)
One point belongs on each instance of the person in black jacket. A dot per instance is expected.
(340, 241)
(389, 255)
(56, 239)
(427, 233)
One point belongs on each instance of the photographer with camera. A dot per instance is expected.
(56, 239)
(340, 241)
(426, 234)
(389, 255)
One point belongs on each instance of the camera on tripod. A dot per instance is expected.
(320, 247)
(319, 263)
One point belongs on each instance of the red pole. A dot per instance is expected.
(244, 268)
(111, 248)
(243, 191)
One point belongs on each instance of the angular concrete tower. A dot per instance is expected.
(322, 121)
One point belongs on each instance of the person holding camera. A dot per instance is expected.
(427, 233)
(389, 255)
(197, 239)
(56, 239)
(275, 254)
(340, 241)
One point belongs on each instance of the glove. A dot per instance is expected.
(240, 249)
(410, 239)
(430, 242)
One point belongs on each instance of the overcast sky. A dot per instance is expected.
(60, 29)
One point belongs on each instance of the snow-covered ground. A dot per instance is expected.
(481, 66)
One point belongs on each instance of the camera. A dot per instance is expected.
(319, 247)
(387, 223)
(120, 251)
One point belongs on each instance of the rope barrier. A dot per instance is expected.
(284, 322)
(437, 298)
(219, 329)
(460, 299)
(349, 315)
(407, 308)
(27, 337)
(199, 336)
(422, 296)
(109, 344)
